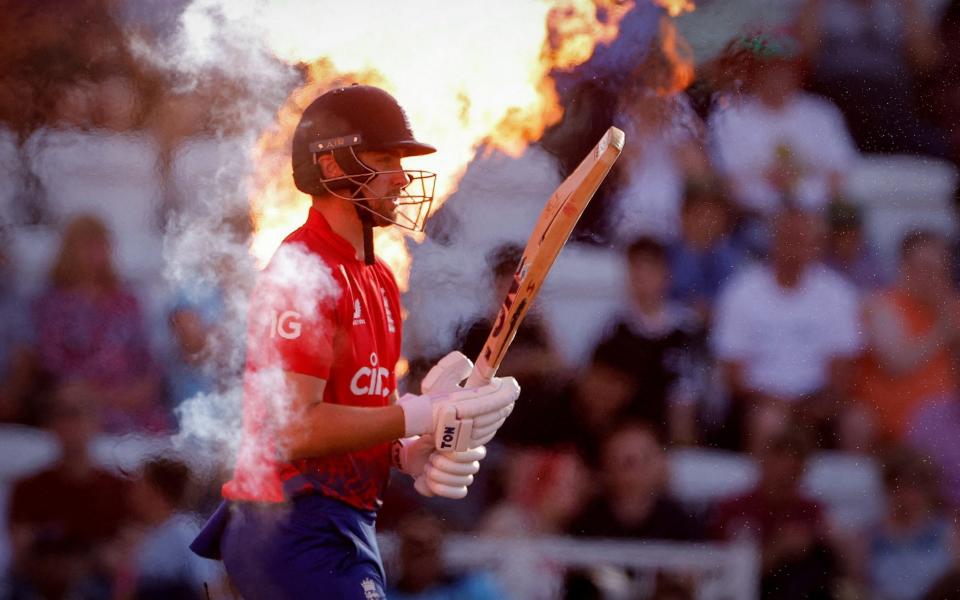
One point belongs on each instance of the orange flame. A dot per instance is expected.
(679, 56)
(468, 75)
(675, 8)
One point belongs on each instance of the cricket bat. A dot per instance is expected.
(551, 232)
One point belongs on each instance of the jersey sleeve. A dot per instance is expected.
(295, 318)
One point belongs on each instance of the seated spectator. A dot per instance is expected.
(868, 56)
(661, 344)
(911, 329)
(704, 256)
(423, 573)
(543, 491)
(797, 561)
(205, 358)
(193, 320)
(778, 144)
(667, 139)
(63, 519)
(914, 545)
(590, 406)
(633, 501)
(157, 562)
(786, 333)
(90, 332)
(532, 359)
(943, 85)
(847, 250)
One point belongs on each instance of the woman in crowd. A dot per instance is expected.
(90, 332)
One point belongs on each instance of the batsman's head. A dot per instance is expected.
(349, 145)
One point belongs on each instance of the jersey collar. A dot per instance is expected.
(318, 224)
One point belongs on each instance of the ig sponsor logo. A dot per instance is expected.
(286, 324)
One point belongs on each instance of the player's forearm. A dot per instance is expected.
(330, 429)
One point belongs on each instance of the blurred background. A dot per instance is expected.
(740, 381)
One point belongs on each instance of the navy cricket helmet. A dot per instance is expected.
(345, 121)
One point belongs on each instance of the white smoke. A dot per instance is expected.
(204, 245)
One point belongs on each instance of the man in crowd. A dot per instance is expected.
(786, 333)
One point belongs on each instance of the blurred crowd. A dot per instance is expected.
(758, 321)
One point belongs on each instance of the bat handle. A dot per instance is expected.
(481, 375)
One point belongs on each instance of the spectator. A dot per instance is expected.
(194, 321)
(63, 519)
(667, 140)
(704, 256)
(90, 332)
(847, 251)
(867, 56)
(590, 406)
(786, 333)
(911, 329)
(661, 344)
(778, 144)
(634, 502)
(205, 359)
(157, 562)
(915, 544)
(543, 491)
(943, 93)
(797, 561)
(423, 574)
(532, 357)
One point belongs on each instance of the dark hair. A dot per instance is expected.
(503, 259)
(610, 354)
(844, 216)
(791, 442)
(646, 247)
(904, 466)
(705, 190)
(918, 238)
(169, 477)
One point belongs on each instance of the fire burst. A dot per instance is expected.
(675, 8)
(468, 74)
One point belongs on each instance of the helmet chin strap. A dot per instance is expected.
(354, 167)
(366, 220)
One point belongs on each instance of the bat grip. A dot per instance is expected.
(481, 375)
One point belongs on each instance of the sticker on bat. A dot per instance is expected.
(514, 325)
(505, 307)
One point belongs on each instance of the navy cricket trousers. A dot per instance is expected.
(313, 547)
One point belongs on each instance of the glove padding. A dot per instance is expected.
(472, 417)
(448, 474)
(459, 418)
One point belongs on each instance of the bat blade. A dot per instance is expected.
(550, 233)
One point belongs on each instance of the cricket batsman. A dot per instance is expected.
(298, 516)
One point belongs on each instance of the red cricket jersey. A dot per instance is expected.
(317, 310)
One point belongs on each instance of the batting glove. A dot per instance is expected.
(463, 418)
(448, 376)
